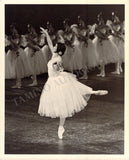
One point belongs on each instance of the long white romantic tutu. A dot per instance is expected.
(14, 65)
(90, 55)
(120, 44)
(77, 60)
(36, 61)
(63, 95)
(68, 58)
(107, 51)
(47, 56)
(9, 66)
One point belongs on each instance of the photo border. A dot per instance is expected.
(3, 156)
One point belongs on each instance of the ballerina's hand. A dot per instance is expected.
(43, 30)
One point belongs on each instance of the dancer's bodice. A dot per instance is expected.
(55, 60)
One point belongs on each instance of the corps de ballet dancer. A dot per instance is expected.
(106, 49)
(15, 54)
(63, 95)
(34, 54)
(69, 52)
(117, 37)
(83, 39)
(90, 56)
(78, 60)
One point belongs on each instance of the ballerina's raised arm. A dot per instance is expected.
(49, 41)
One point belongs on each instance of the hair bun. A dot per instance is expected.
(61, 48)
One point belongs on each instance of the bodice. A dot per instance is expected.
(56, 59)
(76, 42)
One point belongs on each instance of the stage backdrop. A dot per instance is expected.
(38, 15)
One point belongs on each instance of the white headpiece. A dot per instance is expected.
(73, 25)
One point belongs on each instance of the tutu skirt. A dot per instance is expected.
(25, 63)
(63, 95)
(9, 66)
(77, 58)
(36, 61)
(90, 56)
(68, 58)
(46, 56)
(107, 51)
(120, 44)
(40, 62)
(14, 65)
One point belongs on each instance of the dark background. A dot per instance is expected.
(38, 15)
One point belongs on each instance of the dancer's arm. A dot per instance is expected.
(48, 39)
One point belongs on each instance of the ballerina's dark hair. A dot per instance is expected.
(61, 48)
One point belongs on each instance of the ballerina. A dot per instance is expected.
(106, 49)
(15, 53)
(90, 56)
(63, 95)
(69, 52)
(34, 54)
(9, 68)
(78, 61)
(117, 37)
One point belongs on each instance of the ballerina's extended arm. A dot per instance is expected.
(48, 40)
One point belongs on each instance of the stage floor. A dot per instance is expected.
(98, 129)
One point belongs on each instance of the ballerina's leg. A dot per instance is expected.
(117, 68)
(120, 67)
(34, 76)
(99, 92)
(85, 76)
(19, 71)
(102, 70)
(61, 128)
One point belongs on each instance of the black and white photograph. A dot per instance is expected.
(64, 77)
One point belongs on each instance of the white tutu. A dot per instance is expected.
(120, 44)
(77, 55)
(36, 61)
(90, 56)
(63, 96)
(40, 62)
(25, 63)
(14, 65)
(84, 52)
(9, 66)
(19, 64)
(107, 51)
(68, 58)
(46, 56)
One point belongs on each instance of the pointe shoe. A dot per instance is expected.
(115, 72)
(19, 87)
(16, 86)
(31, 77)
(101, 92)
(101, 75)
(121, 70)
(84, 77)
(60, 132)
(98, 75)
(33, 84)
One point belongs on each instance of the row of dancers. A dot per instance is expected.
(86, 47)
